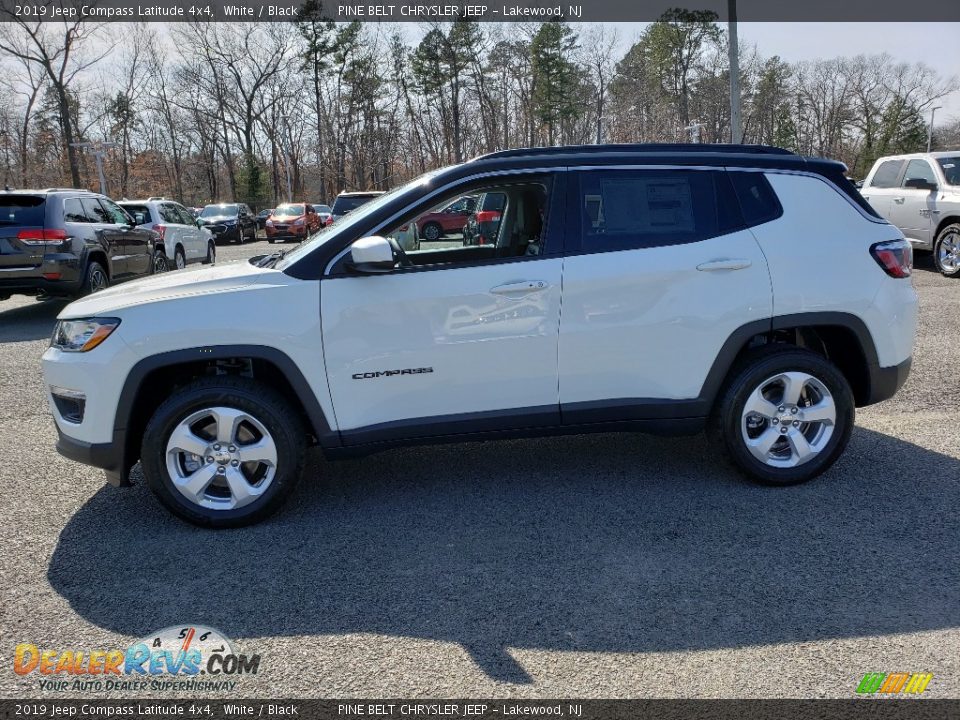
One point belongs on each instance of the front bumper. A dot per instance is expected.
(230, 233)
(107, 456)
(291, 232)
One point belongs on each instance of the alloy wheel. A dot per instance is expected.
(221, 458)
(788, 419)
(948, 253)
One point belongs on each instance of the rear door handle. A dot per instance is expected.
(726, 264)
(524, 287)
(899, 200)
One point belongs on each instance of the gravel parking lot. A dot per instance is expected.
(595, 566)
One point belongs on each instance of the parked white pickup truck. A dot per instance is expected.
(920, 194)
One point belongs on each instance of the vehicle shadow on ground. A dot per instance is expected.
(588, 543)
(33, 321)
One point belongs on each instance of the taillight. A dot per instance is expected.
(159, 229)
(894, 256)
(39, 236)
(488, 216)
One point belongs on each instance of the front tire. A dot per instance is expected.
(211, 253)
(946, 251)
(785, 415)
(179, 259)
(432, 232)
(223, 452)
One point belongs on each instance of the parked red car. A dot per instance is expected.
(292, 221)
(451, 219)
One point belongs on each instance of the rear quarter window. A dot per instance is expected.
(758, 202)
(22, 210)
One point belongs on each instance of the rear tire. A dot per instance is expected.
(792, 445)
(224, 420)
(95, 279)
(946, 251)
(160, 262)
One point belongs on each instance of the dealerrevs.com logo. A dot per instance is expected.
(898, 683)
(188, 657)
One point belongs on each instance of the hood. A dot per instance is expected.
(183, 283)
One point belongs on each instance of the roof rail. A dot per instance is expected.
(66, 189)
(724, 148)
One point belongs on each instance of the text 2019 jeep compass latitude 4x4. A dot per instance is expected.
(641, 287)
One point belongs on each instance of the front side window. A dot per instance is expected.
(887, 174)
(624, 209)
(508, 221)
(919, 170)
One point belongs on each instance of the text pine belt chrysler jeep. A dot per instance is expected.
(625, 287)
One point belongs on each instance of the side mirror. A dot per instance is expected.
(372, 254)
(920, 184)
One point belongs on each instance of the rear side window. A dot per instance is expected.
(919, 170)
(887, 174)
(758, 201)
(842, 182)
(21, 210)
(94, 211)
(624, 209)
(170, 215)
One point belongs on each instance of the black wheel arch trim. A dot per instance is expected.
(131, 387)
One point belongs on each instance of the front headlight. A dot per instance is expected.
(82, 335)
(299, 221)
(269, 223)
(229, 222)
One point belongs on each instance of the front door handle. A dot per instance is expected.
(899, 200)
(725, 264)
(524, 287)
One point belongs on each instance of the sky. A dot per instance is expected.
(934, 44)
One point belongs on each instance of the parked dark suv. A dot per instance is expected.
(68, 242)
(229, 222)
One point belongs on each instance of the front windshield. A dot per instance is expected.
(951, 169)
(344, 224)
(218, 211)
(289, 209)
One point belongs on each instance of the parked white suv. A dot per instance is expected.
(920, 194)
(181, 240)
(739, 287)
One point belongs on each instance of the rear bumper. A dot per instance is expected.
(32, 280)
(886, 381)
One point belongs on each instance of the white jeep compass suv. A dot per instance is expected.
(624, 288)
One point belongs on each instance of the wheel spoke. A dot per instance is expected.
(263, 451)
(801, 448)
(760, 446)
(196, 484)
(183, 438)
(759, 405)
(242, 492)
(823, 412)
(793, 384)
(228, 422)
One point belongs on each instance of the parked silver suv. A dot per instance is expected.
(920, 194)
